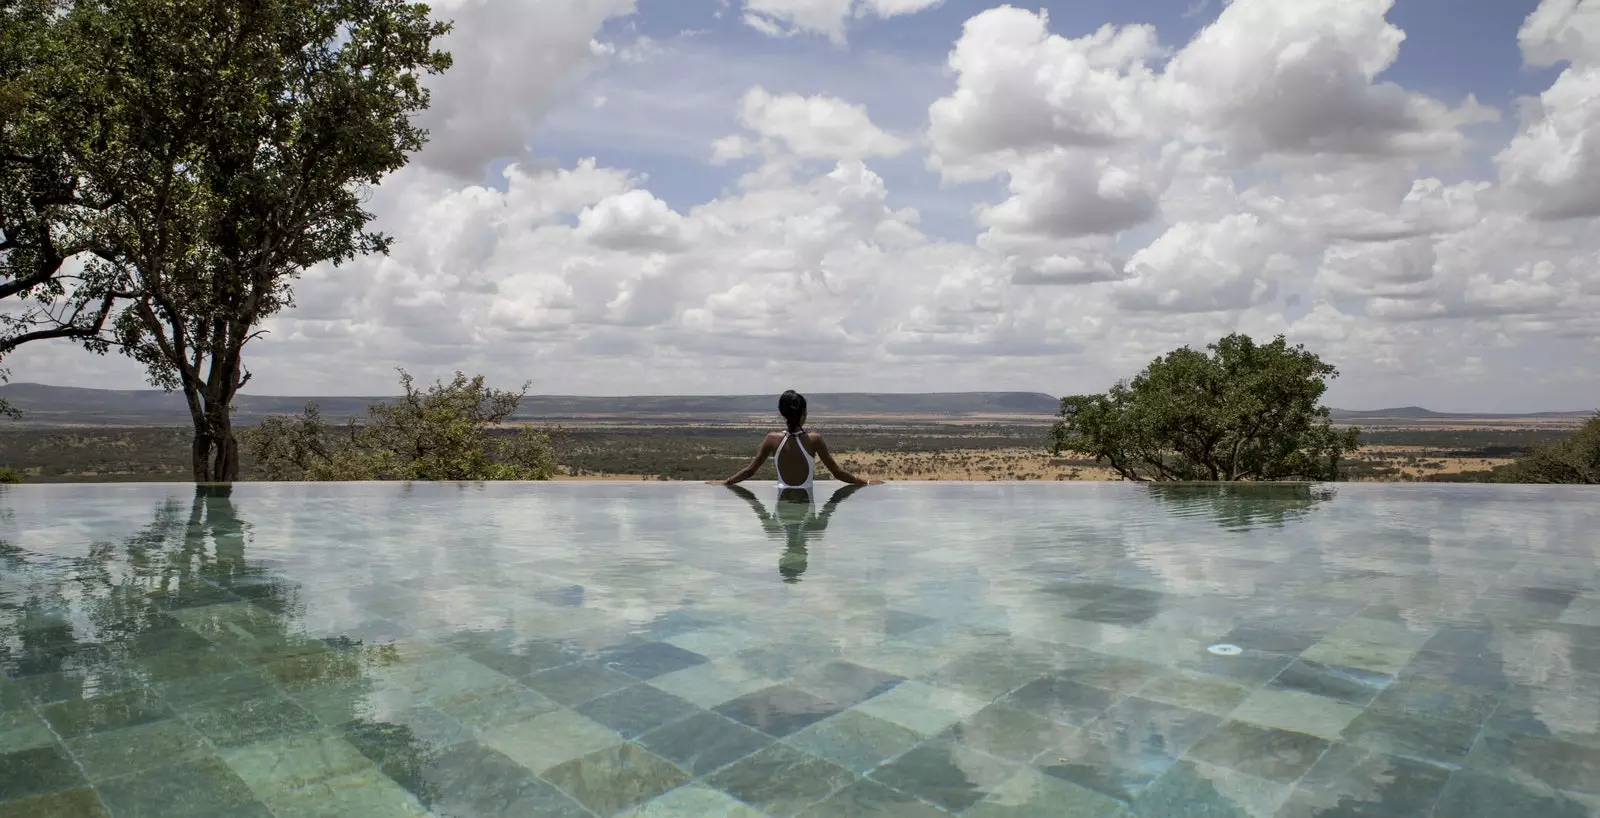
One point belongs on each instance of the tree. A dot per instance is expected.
(445, 433)
(47, 209)
(1574, 460)
(238, 138)
(1243, 412)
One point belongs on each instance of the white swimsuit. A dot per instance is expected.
(811, 463)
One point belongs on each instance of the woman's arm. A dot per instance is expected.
(834, 468)
(762, 453)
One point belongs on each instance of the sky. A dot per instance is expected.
(626, 197)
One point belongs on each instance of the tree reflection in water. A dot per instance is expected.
(796, 523)
(176, 613)
(1241, 506)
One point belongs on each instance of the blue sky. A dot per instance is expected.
(1048, 212)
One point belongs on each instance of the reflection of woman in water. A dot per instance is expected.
(794, 451)
(796, 522)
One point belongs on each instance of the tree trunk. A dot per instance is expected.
(215, 453)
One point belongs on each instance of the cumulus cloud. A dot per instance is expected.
(512, 61)
(815, 127)
(1128, 196)
(1553, 163)
(1020, 88)
(1300, 78)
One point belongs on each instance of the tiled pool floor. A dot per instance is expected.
(908, 650)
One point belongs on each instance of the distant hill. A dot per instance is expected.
(43, 405)
(1419, 413)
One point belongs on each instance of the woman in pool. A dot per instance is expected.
(794, 452)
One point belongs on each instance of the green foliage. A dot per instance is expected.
(1243, 412)
(444, 433)
(45, 205)
(238, 142)
(1574, 460)
(10, 476)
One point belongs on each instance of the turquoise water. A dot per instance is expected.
(580, 649)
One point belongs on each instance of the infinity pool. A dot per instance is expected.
(578, 649)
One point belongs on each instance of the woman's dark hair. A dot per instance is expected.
(792, 405)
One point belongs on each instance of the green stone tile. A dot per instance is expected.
(651, 659)
(201, 788)
(869, 799)
(922, 707)
(1150, 727)
(472, 779)
(635, 710)
(1030, 794)
(239, 720)
(951, 776)
(1487, 670)
(778, 710)
(81, 717)
(1471, 794)
(992, 673)
(136, 749)
(716, 642)
(703, 742)
(1005, 732)
(1437, 700)
(13, 696)
(1250, 668)
(1442, 742)
(1538, 761)
(1569, 715)
(1348, 780)
(1062, 700)
(1275, 755)
(37, 771)
(184, 664)
(525, 659)
(693, 801)
(400, 747)
(1379, 631)
(271, 768)
(1196, 691)
(1124, 751)
(575, 684)
(1344, 684)
(366, 794)
(1192, 788)
(190, 690)
(23, 730)
(313, 669)
(712, 684)
(900, 658)
(485, 709)
(781, 780)
(551, 739)
(1378, 657)
(80, 803)
(854, 740)
(845, 683)
(616, 778)
(1118, 674)
(80, 683)
(1297, 712)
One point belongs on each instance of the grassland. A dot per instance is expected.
(905, 448)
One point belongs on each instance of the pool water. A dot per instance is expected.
(593, 649)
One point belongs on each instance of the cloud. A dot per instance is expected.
(829, 18)
(1067, 208)
(1300, 78)
(815, 127)
(513, 60)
